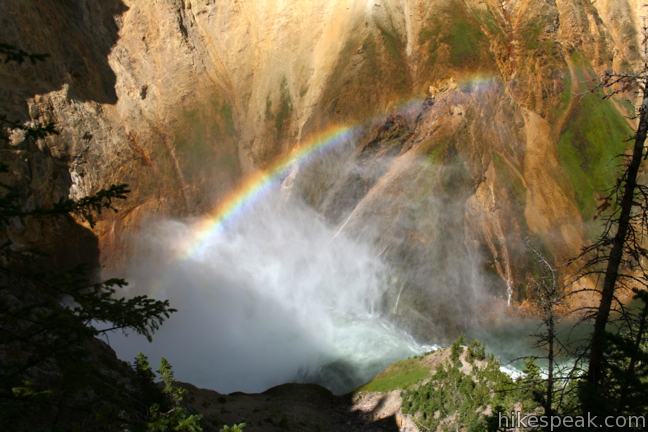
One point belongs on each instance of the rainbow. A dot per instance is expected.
(258, 183)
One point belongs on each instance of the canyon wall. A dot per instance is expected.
(475, 127)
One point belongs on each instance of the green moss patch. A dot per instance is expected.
(400, 375)
(487, 19)
(281, 115)
(392, 43)
(531, 33)
(466, 42)
(205, 138)
(461, 32)
(437, 154)
(595, 135)
(285, 107)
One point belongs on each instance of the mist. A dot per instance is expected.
(314, 281)
(275, 296)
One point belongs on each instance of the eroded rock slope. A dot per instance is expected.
(474, 127)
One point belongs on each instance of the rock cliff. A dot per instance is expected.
(473, 117)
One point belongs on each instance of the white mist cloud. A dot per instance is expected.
(273, 297)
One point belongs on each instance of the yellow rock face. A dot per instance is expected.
(183, 98)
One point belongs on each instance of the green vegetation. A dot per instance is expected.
(172, 416)
(461, 31)
(427, 34)
(452, 398)
(488, 20)
(466, 42)
(282, 115)
(57, 371)
(393, 44)
(588, 150)
(400, 375)
(476, 351)
(595, 136)
(56, 358)
(234, 428)
(168, 412)
(205, 138)
(565, 95)
(456, 349)
(193, 145)
(54, 373)
(531, 33)
(395, 48)
(629, 107)
(437, 154)
(626, 378)
(268, 108)
(285, 107)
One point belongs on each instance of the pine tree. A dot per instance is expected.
(54, 373)
(618, 255)
(175, 417)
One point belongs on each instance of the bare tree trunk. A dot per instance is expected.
(550, 367)
(550, 296)
(616, 253)
(636, 348)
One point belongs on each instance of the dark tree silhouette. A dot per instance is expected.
(54, 373)
(618, 255)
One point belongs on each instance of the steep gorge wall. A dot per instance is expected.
(181, 98)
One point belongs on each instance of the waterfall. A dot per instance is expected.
(274, 296)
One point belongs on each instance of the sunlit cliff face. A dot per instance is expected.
(205, 93)
(471, 130)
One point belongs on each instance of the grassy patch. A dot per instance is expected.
(268, 108)
(437, 154)
(426, 34)
(281, 116)
(531, 35)
(400, 375)
(429, 35)
(395, 48)
(461, 32)
(285, 106)
(205, 139)
(588, 148)
(582, 67)
(488, 20)
(466, 41)
(392, 43)
(629, 107)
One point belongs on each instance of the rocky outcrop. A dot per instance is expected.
(286, 407)
(389, 402)
(469, 134)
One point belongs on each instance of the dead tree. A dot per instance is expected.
(617, 255)
(549, 297)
